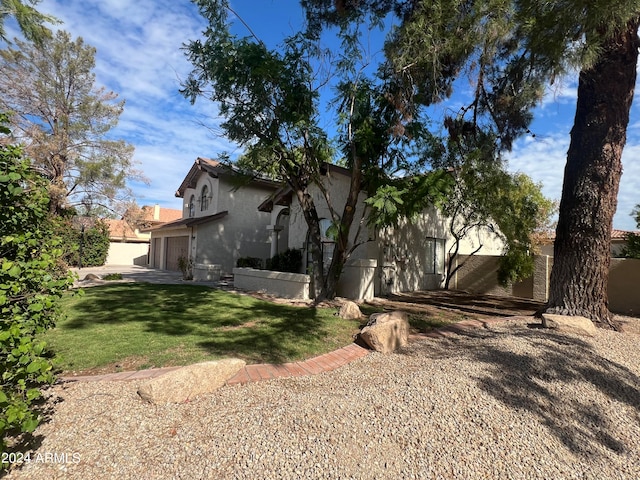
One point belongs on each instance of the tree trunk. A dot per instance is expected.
(592, 174)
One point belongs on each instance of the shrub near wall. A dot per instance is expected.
(287, 261)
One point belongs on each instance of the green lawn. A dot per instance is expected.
(132, 326)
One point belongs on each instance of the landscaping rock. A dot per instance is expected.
(91, 276)
(188, 382)
(386, 332)
(349, 310)
(570, 324)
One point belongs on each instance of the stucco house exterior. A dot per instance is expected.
(407, 258)
(219, 224)
(618, 242)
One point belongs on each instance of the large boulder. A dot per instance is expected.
(386, 332)
(188, 382)
(569, 324)
(349, 310)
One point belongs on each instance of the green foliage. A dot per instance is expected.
(185, 264)
(112, 276)
(31, 281)
(632, 248)
(249, 262)
(29, 19)
(88, 248)
(66, 121)
(288, 261)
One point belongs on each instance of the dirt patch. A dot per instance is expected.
(127, 364)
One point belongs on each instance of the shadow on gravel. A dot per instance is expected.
(533, 381)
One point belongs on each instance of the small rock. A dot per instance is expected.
(188, 382)
(569, 324)
(90, 276)
(386, 332)
(349, 310)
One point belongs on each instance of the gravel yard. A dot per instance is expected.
(504, 402)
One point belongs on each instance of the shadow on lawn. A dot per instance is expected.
(228, 324)
(522, 381)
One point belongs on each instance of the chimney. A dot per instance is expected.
(156, 212)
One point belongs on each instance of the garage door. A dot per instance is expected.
(176, 247)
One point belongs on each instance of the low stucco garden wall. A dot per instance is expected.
(280, 284)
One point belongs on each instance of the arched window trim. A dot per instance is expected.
(192, 206)
(204, 198)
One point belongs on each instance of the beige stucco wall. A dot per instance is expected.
(402, 254)
(121, 253)
(338, 185)
(281, 284)
(624, 286)
(241, 233)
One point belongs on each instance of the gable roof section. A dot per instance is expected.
(188, 222)
(200, 165)
(214, 169)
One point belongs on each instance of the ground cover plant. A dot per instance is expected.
(131, 326)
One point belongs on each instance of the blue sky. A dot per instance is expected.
(139, 57)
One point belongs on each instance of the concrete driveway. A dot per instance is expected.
(133, 273)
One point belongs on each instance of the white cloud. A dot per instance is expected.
(139, 56)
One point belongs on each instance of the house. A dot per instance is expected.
(219, 223)
(407, 258)
(618, 242)
(128, 244)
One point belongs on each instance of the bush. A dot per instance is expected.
(93, 244)
(249, 262)
(287, 261)
(31, 282)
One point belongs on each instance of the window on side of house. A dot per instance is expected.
(434, 251)
(192, 206)
(204, 199)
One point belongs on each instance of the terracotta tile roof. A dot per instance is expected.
(120, 229)
(164, 214)
(615, 235)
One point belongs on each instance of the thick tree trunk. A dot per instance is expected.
(592, 175)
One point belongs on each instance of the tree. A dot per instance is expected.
(270, 102)
(632, 247)
(64, 121)
(29, 19)
(31, 282)
(511, 49)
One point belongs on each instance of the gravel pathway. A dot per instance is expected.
(504, 402)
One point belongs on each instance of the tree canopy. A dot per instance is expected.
(29, 19)
(64, 121)
(510, 50)
(270, 100)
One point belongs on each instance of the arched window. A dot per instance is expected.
(204, 199)
(192, 206)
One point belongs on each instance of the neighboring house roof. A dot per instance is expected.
(160, 214)
(120, 230)
(616, 236)
(187, 222)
